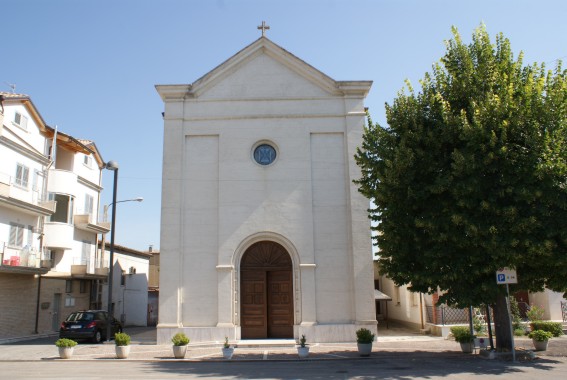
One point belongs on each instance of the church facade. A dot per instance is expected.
(263, 233)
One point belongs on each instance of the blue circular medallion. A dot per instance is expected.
(264, 154)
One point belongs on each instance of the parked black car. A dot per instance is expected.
(88, 324)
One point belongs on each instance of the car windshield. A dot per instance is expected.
(76, 317)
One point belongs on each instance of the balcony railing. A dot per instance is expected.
(23, 197)
(20, 257)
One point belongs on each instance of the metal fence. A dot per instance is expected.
(564, 310)
(446, 315)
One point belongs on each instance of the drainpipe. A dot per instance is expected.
(36, 331)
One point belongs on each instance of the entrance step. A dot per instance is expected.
(266, 343)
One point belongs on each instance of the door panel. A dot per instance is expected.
(280, 307)
(253, 297)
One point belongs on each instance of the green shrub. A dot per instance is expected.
(302, 341)
(553, 327)
(364, 336)
(226, 344)
(535, 314)
(64, 342)
(515, 313)
(478, 325)
(519, 332)
(122, 339)
(462, 334)
(180, 339)
(540, 335)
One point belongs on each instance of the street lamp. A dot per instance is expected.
(112, 165)
(106, 207)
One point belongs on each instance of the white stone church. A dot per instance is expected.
(263, 233)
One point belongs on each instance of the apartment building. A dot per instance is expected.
(50, 185)
(23, 207)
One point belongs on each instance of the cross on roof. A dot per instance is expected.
(263, 27)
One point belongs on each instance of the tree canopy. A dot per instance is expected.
(470, 175)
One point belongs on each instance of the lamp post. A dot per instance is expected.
(111, 165)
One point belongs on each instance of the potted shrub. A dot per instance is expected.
(65, 347)
(364, 339)
(180, 342)
(122, 342)
(463, 336)
(303, 348)
(227, 351)
(540, 339)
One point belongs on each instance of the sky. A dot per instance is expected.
(90, 67)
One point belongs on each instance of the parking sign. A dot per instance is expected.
(506, 276)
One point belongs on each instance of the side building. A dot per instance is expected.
(131, 274)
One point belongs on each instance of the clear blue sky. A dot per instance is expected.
(90, 66)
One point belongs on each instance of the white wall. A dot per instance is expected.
(131, 299)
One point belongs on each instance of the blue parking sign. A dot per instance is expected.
(506, 276)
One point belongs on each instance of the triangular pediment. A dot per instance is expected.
(264, 70)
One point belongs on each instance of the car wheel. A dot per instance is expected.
(97, 338)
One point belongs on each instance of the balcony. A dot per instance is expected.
(23, 200)
(58, 235)
(21, 261)
(85, 222)
(62, 182)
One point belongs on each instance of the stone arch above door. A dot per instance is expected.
(270, 249)
(265, 255)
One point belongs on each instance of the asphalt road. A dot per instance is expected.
(400, 366)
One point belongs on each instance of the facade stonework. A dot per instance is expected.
(260, 150)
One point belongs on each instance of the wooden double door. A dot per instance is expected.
(266, 292)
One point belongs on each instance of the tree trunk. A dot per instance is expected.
(502, 324)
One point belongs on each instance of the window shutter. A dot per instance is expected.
(13, 234)
(30, 236)
(26, 175)
(19, 170)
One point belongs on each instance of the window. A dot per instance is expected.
(83, 286)
(89, 202)
(21, 121)
(68, 286)
(265, 154)
(123, 278)
(16, 235)
(63, 208)
(69, 301)
(88, 161)
(22, 175)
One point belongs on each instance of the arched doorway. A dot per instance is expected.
(266, 287)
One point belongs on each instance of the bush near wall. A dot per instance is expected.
(553, 327)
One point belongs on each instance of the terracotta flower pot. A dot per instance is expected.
(364, 349)
(122, 352)
(179, 351)
(227, 352)
(540, 345)
(65, 352)
(303, 352)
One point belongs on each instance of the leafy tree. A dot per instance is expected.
(471, 176)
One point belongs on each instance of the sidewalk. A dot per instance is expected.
(144, 348)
